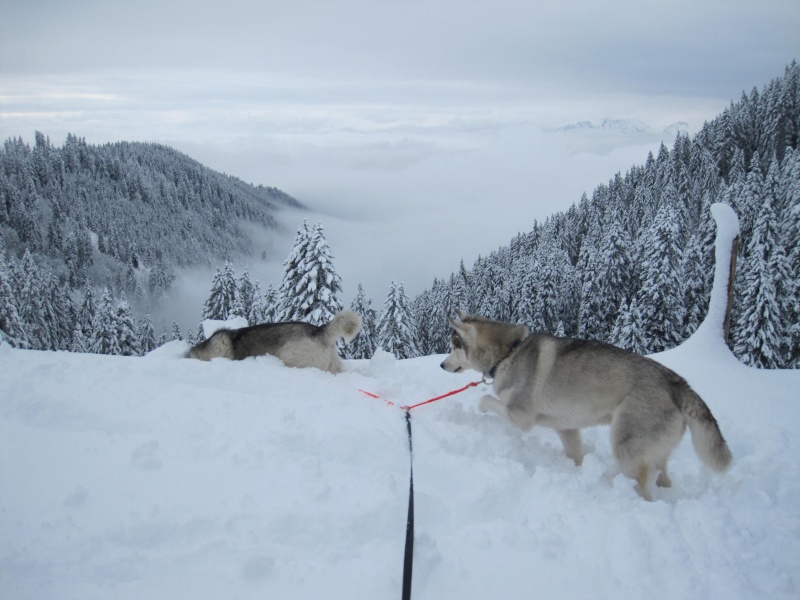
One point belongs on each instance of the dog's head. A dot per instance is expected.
(479, 343)
(461, 334)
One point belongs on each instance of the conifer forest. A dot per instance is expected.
(86, 229)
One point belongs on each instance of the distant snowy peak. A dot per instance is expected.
(623, 126)
(677, 127)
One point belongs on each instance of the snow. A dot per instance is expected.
(164, 477)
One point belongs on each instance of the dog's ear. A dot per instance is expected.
(465, 330)
(461, 314)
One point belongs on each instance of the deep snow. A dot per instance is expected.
(163, 477)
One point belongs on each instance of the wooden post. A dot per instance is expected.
(731, 280)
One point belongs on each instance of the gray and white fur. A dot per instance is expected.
(296, 343)
(567, 384)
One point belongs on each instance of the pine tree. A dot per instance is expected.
(759, 338)
(614, 270)
(61, 313)
(12, 327)
(395, 327)
(627, 332)
(694, 275)
(245, 298)
(86, 311)
(127, 334)
(146, 335)
(104, 327)
(271, 306)
(79, 342)
(364, 344)
(791, 234)
(591, 325)
(660, 298)
(222, 298)
(310, 283)
(32, 299)
(175, 332)
(256, 313)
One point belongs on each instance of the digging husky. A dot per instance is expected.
(297, 344)
(568, 384)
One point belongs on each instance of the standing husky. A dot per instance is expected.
(566, 384)
(296, 344)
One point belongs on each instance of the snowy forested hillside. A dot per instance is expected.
(632, 262)
(123, 216)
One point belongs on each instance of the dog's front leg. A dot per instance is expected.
(489, 403)
(573, 446)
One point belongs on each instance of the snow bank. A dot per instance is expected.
(163, 477)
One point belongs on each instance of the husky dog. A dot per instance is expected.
(567, 384)
(296, 344)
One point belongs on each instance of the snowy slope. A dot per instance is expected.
(163, 477)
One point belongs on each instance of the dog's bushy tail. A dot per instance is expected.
(706, 436)
(346, 324)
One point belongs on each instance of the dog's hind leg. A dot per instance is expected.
(630, 446)
(663, 479)
(643, 482)
(573, 446)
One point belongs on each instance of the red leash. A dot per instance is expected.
(443, 396)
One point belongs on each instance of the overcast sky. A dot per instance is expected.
(420, 132)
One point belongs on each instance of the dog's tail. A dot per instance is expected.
(706, 436)
(346, 324)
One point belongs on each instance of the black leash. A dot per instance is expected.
(409, 550)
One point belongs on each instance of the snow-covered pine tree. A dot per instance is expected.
(591, 325)
(627, 332)
(127, 338)
(256, 313)
(104, 327)
(791, 235)
(364, 344)
(660, 299)
(310, 283)
(79, 341)
(61, 312)
(31, 302)
(222, 298)
(146, 334)
(271, 306)
(86, 310)
(245, 297)
(461, 285)
(614, 271)
(396, 327)
(175, 332)
(759, 339)
(694, 274)
(12, 327)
